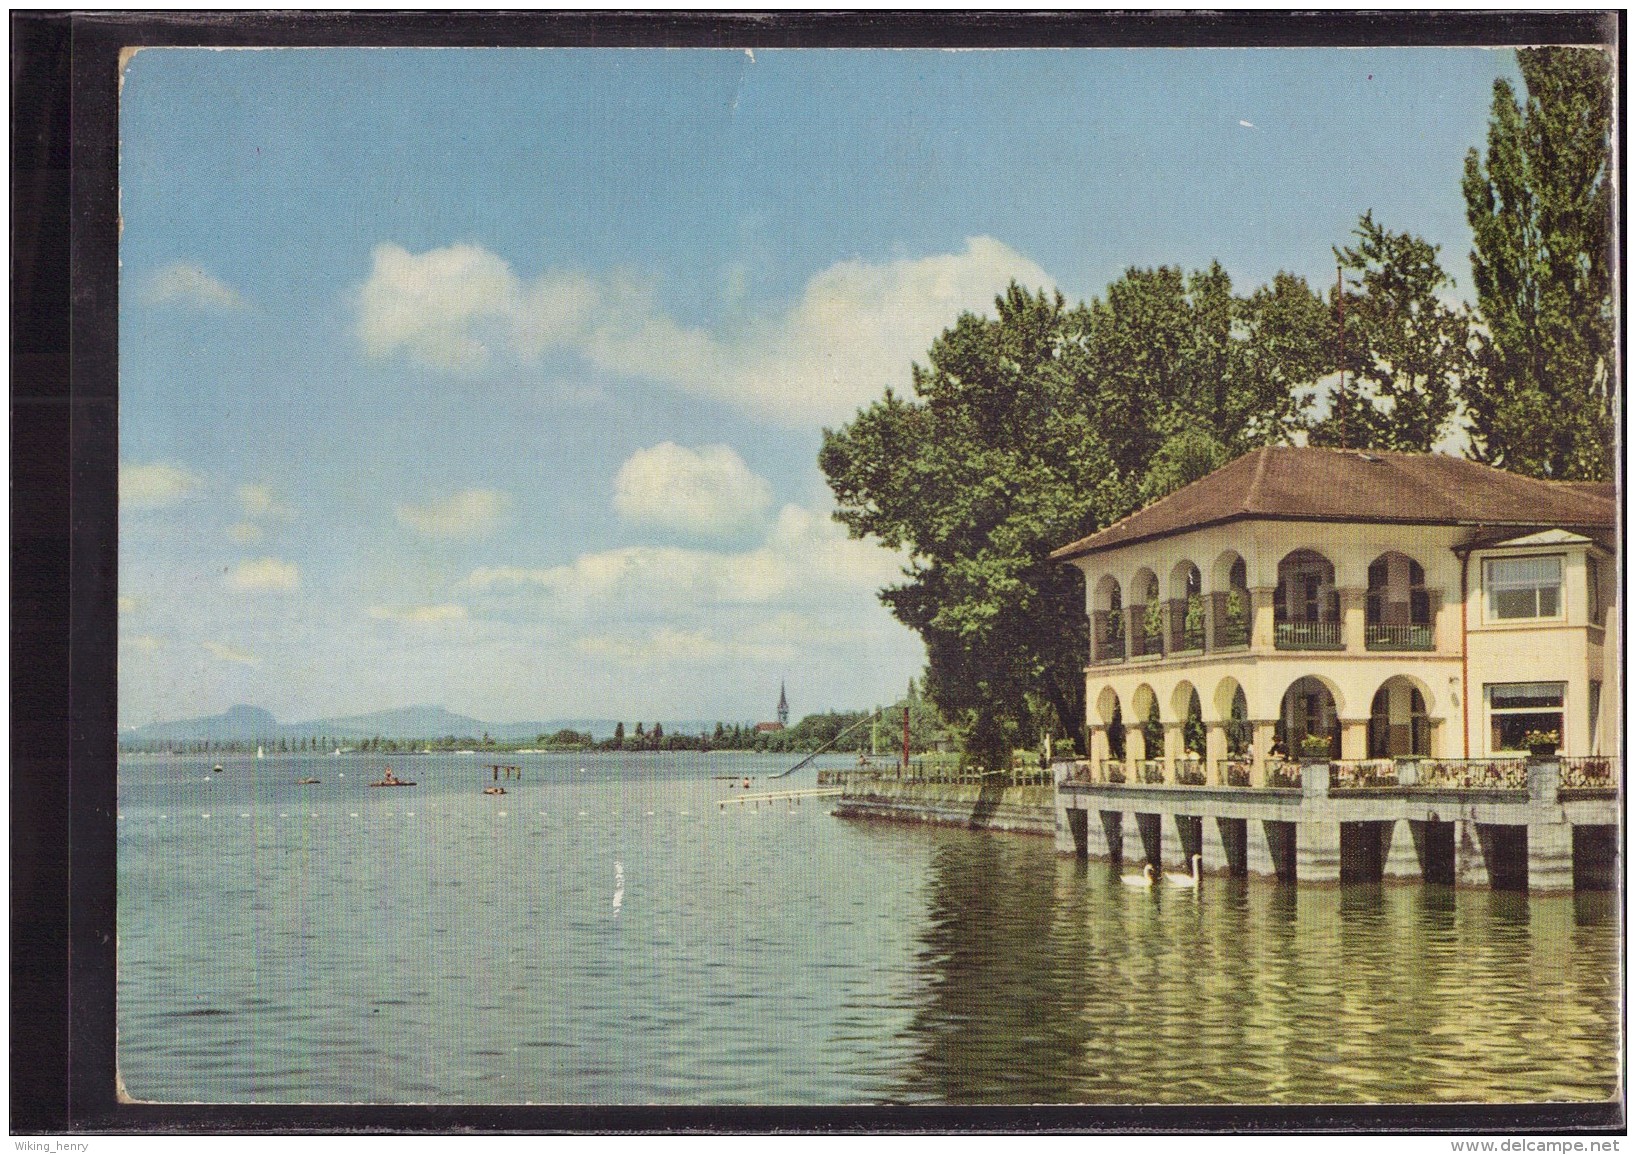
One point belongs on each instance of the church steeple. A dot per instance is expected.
(783, 706)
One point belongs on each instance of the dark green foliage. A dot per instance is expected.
(1540, 207)
(1406, 350)
(998, 462)
(1039, 426)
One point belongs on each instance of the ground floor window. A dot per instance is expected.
(1514, 708)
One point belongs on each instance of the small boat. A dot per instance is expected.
(494, 790)
(306, 781)
(392, 782)
(216, 769)
(261, 752)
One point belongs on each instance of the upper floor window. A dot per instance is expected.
(1523, 587)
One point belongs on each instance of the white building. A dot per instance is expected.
(1391, 604)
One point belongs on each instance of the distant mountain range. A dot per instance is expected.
(252, 723)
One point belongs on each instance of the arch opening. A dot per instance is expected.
(1307, 711)
(1398, 610)
(1399, 726)
(1306, 604)
(1186, 607)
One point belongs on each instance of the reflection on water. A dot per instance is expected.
(1055, 983)
(291, 943)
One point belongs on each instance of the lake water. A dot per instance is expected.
(334, 943)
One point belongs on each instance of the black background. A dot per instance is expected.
(64, 519)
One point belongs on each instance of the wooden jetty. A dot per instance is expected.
(770, 796)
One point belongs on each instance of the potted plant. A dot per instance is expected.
(1541, 743)
(1315, 748)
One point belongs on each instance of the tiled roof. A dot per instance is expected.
(1292, 483)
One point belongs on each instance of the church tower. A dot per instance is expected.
(783, 706)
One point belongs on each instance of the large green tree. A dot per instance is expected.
(1540, 208)
(1406, 349)
(997, 461)
(1187, 375)
(1039, 426)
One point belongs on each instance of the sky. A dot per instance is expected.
(495, 379)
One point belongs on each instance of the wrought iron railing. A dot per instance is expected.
(1370, 773)
(1145, 644)
(1475, 773)
(1307, 636)
(1190, 771)
(1235, 771)
(1283, 774)
(1150, 771)
(1398, 638)
(1595, 772)
(1233, 632)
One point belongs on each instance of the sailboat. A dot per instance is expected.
(261, 752)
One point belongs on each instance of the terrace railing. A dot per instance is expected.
(1111, 772)
(1283, 774)
(1150, 771)
(1474, 773)
(1593, 773)
(1190, 771)
(1398, 638)
(1371, 773)
(1307, 636)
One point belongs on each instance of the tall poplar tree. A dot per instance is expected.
(1540, 207)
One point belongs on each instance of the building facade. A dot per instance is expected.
(1390, 606)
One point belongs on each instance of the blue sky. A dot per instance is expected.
(495, 379)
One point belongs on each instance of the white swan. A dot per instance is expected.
(1187, 881)
(1146, 878)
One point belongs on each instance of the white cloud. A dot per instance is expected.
(805, 556)
(229, 654)
(470, 513)
(189, 285)
(266, 573)
(706, 491)
(784, 637)
(663, 645)
(260, 501)
(419, 615)
(154, 485)
(245, 533)
(436, 306)
(854, 330)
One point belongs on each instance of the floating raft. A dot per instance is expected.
(395, 782)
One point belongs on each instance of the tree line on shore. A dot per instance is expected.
(1047, 422)
(813, 732)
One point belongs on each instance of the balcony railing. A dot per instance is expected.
(1233, 632)
(1235, 771)
(1371, 773)
(1190, 771)
(1398, 638)
(1112, 772)
(1307, 636)
(1284, 774)
(1597, 772)
(1475, 773)
(1144, 644)
(1150, 771)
